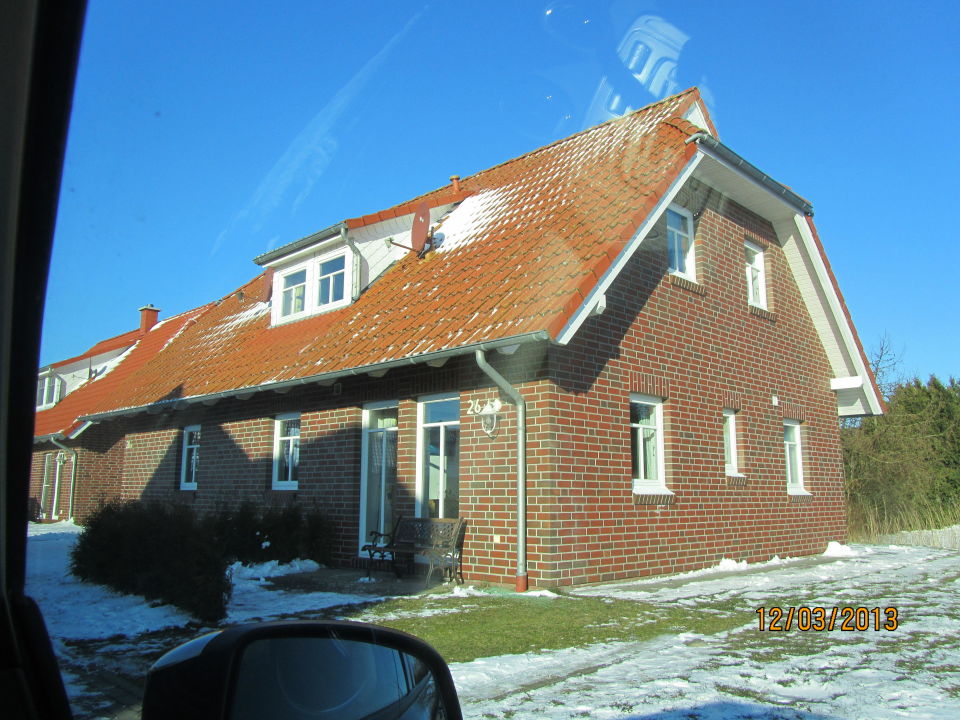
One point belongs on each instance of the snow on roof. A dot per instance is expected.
(520, 253)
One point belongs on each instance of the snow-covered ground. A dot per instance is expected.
(913, 671)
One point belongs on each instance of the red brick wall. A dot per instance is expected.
(697, 345)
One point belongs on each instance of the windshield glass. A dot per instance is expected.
(242, 183)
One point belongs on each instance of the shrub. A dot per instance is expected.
(159, 551)
(168, 553)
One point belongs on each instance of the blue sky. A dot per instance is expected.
(204, 134)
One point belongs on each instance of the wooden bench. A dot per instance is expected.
(439, 540)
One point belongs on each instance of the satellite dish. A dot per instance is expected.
(421, 228)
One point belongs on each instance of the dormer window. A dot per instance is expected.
(294, 293)
(49, 389)
(332, 275)
(312, 286)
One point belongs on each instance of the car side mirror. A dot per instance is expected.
(343, 670)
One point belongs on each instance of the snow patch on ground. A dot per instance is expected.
(77, 610)
(948, 537)
(836, 550)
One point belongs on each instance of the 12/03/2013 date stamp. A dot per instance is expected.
(824, 619)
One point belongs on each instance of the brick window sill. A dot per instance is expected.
(761, 313)
(736, 480)
(800, 498)
(654, 498)
(687, 284)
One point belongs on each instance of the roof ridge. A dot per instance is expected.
(692, 90)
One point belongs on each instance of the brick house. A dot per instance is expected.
(621, 354)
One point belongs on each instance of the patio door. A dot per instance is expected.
(379, 470)
(439, 448)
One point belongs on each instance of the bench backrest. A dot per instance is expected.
(440, 533)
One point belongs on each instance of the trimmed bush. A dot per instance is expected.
(168, 553)
(158, 551)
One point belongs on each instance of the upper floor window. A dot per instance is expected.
(286, 452)
(646, 444)
(332, 276)
(312, 286)
(190, 460)
(680, 245)
(756, 275)
(294, 293)
(49, 389)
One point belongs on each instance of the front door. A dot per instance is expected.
(379, 471)
(440, 459)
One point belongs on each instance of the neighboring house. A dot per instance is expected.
(621, 354)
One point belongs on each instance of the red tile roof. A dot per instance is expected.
(123, 340)
(521, 252)
(101, 393)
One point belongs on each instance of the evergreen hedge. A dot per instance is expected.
(171, 554)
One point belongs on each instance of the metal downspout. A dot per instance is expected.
(355, 265)
(73, 474)
(517, 400)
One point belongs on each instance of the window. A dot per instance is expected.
(286, 451)
(646, 443)
(312, 286)
(49, 388)
(294, 293)
(756, 275)
(439, 451)
(731, 460)
(378, 469)
(794, 457)
(332, 274)
(680, 245)
(190, 459)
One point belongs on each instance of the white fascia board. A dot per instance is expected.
(842, 339)
(846, 383)
(306, 252)
(79, 430)
(596, 295)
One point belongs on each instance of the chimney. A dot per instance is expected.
(455, 179)
(148, 317)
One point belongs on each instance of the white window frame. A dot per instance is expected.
(47, 380)
(422, 402)
(731, 444)
(689, 258)
(758, 266)
(364, 462)
(795, 485)
(188, 462)
(657, 485)
(311, 302)
(278, 438)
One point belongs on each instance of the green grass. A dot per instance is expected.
(498, 624)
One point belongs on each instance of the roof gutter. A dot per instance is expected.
(517, 399)
(311, 239)
(728, 156)
(324, 378)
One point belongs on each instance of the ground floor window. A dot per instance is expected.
(190, 458)
(379, 469)
(646, 444)
(792, 449)
(439, 457)
(731, 459)
(286, 451)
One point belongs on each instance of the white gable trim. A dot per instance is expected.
(856, 394)
(596, 296)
